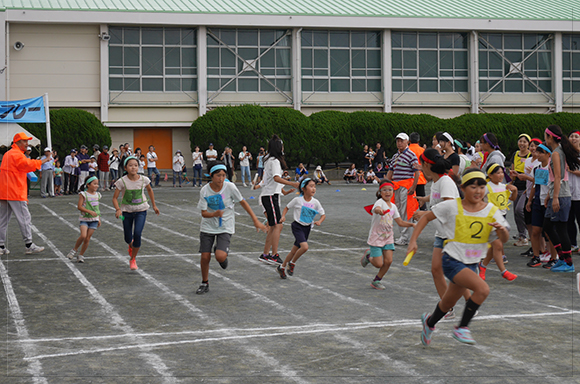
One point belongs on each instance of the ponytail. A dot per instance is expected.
(437, 163)
(567, 147)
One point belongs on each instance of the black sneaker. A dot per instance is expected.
(203, 288)
(549, 264)
(528, 253)
(265, 258)
(224, 264)
(281, 272)
(276, 259)
(535, 262)
(291, 266)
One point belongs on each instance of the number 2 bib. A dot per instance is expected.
(499, 199)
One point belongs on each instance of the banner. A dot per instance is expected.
(23, 111)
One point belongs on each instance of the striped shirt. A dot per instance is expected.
(404, 165)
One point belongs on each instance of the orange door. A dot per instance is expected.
(161, 139)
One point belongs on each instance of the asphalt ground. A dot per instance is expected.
(100, 322)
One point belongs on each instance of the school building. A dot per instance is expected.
(149, 68)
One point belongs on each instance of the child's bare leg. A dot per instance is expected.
(272, 239)
(289, 256)
(204, 264)
(87, 240)
(220, 255)
(82, 237)
(437, 272)
(387, 261)
(302, 250)
(536, 235)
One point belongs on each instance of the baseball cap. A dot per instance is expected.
(29, 148)
(20, 136)
(211, 144)
(73, 150)
(47, 149)
(105, 147)
(84, 147)
(403, 136)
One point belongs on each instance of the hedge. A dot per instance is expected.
(71, 128)
(333, 137)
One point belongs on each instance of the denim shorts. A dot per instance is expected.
(378, 251)
(564, 212)
(452, 267)
(90, 224)
(439, 242)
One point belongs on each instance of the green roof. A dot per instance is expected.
(464, 9)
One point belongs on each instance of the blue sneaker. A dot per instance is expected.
(364, 261)
(427, 332)
(561, 266)
(463, 335)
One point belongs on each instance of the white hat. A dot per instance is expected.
(29, 148)
(319, 168)
(47, 149)
(403, 136)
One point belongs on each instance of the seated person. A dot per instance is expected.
(360, 176)
(286, 175)
(380, 171)
(350, 174)
(301, 172)
(319, 177)
(372, 177)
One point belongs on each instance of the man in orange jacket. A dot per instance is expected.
(14, 194)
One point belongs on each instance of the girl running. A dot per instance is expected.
(304, 208)
(381, 234)
(559, 199)
(216, 201)
(499, 194)
(90, 218)
(134, 205)
(467, 225)
(271, 189)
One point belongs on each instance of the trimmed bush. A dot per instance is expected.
(330, 137)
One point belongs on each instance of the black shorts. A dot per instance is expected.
(300, 232)
(271, 205)
(538, 213)
(206, 241)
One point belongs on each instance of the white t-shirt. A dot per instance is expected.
(150, 162)
(370, 174)
(141, 169)
(446, 211)
(305, 211)
(443, 188)
(381, 232)
(198, 158)
(140, 184)
(272, 168)
(178, 163)
(529, 166)
(211, 201)
(211, 152)
(244, 161)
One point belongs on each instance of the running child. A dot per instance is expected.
(271, 189)
(90, 218)
(381, 235)
(500, 195)
(134, 205)
(467, 224)
(304, 208)
(216, 201)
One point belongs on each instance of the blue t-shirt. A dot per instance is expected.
(83, 166)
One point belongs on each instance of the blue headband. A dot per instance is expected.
(90, 180)
(545, 148)
(129, 158)
(217, 168)
(303, 184)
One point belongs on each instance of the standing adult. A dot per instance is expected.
(152, 165)
(518, 167)
(197, 166)
(104, 169)
(114, 162)
(71, 163)
(84, 160)
(418, 150)
(404, 172)
(13, 193)
(178, 163)
(245, 158)
(228, 159)
(27, 154)
(47, 175)
(379, 155)
(211, 154)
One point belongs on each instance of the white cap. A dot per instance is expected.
(403, 136)
(47, 149)
(29, 148)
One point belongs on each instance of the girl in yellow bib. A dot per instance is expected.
(467, 225)
(500, 195)
(90, 218)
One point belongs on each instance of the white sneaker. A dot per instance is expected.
(575, 249)
(451, 314)
(401, 242)
(71, 254)
(80, 259)
(4, 251)
(523, 242)
(34, 249)
(245, 185)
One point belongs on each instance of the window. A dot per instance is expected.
(503, 58)
(235, 56)
(429, 62)
(571, 63)
(341, 61)
(152, 59)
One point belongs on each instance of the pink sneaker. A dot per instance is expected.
(133, 265)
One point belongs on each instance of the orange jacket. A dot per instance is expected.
(412, 203)
(13, 172)
(418, 151)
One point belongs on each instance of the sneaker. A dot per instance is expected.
(509, 276)
(4, 251)
(522, 242)
(378, 285)
(550, 264)
(451, 314)
(505, 260)
(401, 242)
(463, 335)
(245, 185)
(575, 249)
(224, 264)
(427, 332)
(482, 270)
(545, 257)
(33, 249)
(291, 266)
(563, 267)
(265, 258)
(275, 259)
(203, 288)
(364, 261)
(528, 253)
(535, 262)
(281, 272)
(80, 259)
(133, 265)
(71, 255)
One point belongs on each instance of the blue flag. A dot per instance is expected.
(215, 202)
(23, 111)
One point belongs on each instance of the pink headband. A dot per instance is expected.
(553, 134)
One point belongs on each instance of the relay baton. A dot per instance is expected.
(408, 258)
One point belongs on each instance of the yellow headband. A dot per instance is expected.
(526, 136)
(492, 168)
(472, 175)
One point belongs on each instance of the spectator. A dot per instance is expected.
(211, 154)
(372, 177)
(369, 158)
(320, 177)
(104, 169)
(93, 167)
(260, 165)
(245, 158)
(286, 176)
(152, 165)
(301, 172)
(380, 171)
(228, 159)
(414, 146)
(47, 175)
(71, 164)
(114, 162)
(350, 174)
(96, 153)
(178, 164)
(379, 154)
(360, 176)
(84, 160)
(197, 166)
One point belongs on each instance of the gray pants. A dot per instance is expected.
(82, 178)
(20, 210)
(104, 179)
(401, 203)
(47, 183)
(519, 206)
